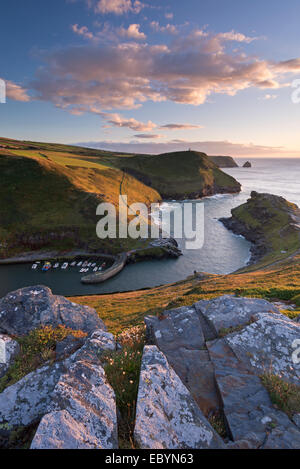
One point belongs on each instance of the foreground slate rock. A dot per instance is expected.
(9, 348)
(31, 307)
(247, 406)
(179, 335)
(229, 311)
(266, 345)
(91, 419)
(58, 430)
(82, 411)
(167, 417)
(77, 386)
(26, 401)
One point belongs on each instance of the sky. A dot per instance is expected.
(151, 76)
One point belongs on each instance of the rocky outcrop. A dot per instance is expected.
(202, 362)
(29, 308)
(167, 417)
(72, 398)
(243, 339)
(269, 222)
(26, 401)
(247, 165)
(9, 348)
(229, 312)
(180, 336)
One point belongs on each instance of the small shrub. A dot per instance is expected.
(217, 421)
(292, 314)
(285, 396)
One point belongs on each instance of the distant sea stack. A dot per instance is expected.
(247, 165)
(223, 161)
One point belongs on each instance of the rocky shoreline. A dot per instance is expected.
(263, 218)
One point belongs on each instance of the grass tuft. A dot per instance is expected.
(37, 348)
(285, 396)
(122, 369)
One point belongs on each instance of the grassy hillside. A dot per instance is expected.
(179, 175)
(49, 192)
(49, 200)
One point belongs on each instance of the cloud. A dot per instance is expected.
(150, 136)
(16, 92)
(181, 126)
(268, 97)
(118, 121)
(125, 75)
(208, 147)
(118, 7)
(169, 16)
(83, 31)
(169, 28)
(132, 32)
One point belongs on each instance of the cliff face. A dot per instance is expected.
(223, 161)
(180, 175)
(270, 222)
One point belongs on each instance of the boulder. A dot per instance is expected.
(84, 392)
(296, 420)
(167, 417)
(229, 312)
(68, 346)
(9, 348)
(26, 401)
(82, 411)
(267, 345)
(76, 385)
(179, 335)
(58, 430)
(247, 165)
(247, 406)
(31, 307)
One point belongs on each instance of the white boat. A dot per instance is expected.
(65, 265)
(34, 266)
(94, 264)
(100, 268)
(79, 264)
(56, 265)
(73, 264)
(82, 270)
(95, 269)
(89, 264)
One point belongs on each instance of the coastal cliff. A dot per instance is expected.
(180, 175)
(270, 223)
(224, 161)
